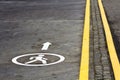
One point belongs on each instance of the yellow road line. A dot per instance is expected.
(110, 44)
(84, 64)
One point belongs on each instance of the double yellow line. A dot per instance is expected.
(84, 64)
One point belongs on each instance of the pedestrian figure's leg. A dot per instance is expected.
(31, 61)
(44, 61)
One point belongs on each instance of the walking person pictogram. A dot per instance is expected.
(37, 58)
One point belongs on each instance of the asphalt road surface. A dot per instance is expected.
(26, 24)
(113, 14)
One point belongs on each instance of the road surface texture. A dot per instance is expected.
(26, 24)
(113, 14)
(100, 65)
(52, 28)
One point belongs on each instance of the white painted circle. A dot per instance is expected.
(61, 59)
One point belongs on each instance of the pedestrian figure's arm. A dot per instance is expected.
(31, 58)
(44, 58)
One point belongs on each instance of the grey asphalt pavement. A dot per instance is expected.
(26, 24)
(113, 15)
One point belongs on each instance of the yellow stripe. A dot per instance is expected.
(110, 44)
(84, 64)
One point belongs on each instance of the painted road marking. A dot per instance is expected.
(44, 59)
(46, 45)
(110, 44)
(84, 64)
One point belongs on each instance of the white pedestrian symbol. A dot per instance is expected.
(37, 58)
(42, 58)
